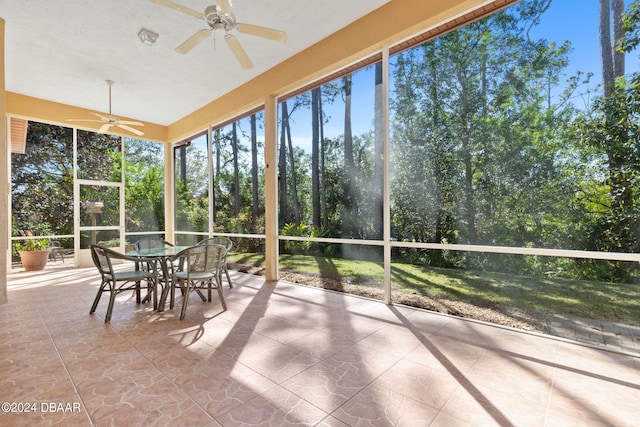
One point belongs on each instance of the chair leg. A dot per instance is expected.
(138, 299)
(172, 300)
(185, 300)
(226, 272)
(97, 299)
(154, 289)
(163, 295)
(112, 299)
(200, 294)
(220, 295)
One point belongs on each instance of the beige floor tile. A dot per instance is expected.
(321, 344)
(278, 408)
(595, 398)
(327, 385)
(284, 355)
(218, 393)
(526, 380)
(446, 354)
(393, 339)
(471, 406)
(429, 386)
(278, 363)
(381, 407)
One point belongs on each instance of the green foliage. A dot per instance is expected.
(32, 245)
(144, 186)
(631, 28)
(298, 230)
(612, 128)
(42, 180)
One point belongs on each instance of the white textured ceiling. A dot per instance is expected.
(64, 50)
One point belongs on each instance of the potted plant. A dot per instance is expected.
(33, 253)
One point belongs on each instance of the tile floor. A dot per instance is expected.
(285, 355)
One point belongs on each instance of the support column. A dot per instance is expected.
(386, 155)
(4, 177)
(271, 188)
(169, 201)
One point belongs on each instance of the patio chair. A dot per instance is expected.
(151, 243)
(228, 245)
(115, 282)
(56, 251)
(200, 271)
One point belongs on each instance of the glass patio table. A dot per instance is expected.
(162, 256)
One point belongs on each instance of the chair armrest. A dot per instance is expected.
(117, 255)
(180, 254)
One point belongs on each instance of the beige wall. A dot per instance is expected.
(4, 178)
(53, 112)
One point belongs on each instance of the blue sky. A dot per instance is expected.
(577, 21)
(573, 20)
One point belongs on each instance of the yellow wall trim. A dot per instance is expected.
(30, 108)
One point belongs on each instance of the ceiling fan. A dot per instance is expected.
(109, 120)
(220, 17)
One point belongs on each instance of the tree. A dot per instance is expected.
(477, 145)
(350, 200)
(144, 185)
(611, 128)
(42, 180)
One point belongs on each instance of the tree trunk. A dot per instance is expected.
(315, 148)
(323, 174)
(294, 180)
(617, 8)
(236, 171)
(216, 174)
(467, 160)
(436, 161)
(254, 171)
(620, 175)
(350, 215)
(282, 168)
(605, 47)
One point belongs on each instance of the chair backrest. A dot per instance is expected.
(205, 258)
(218, 240)
(101, 259)
(150, 243)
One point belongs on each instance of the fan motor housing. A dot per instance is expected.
(219, 21)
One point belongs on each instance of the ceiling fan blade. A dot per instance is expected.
(105, 128)
(267, 33)
(84, 120)
(130, 129)
(128, 122)
(101, 116)
(193, 41)
(238, 51)
(179, 8)
(224, 6)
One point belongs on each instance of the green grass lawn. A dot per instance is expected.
(536, 297)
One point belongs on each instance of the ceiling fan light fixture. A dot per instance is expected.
(221, 19)
(147, 37)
